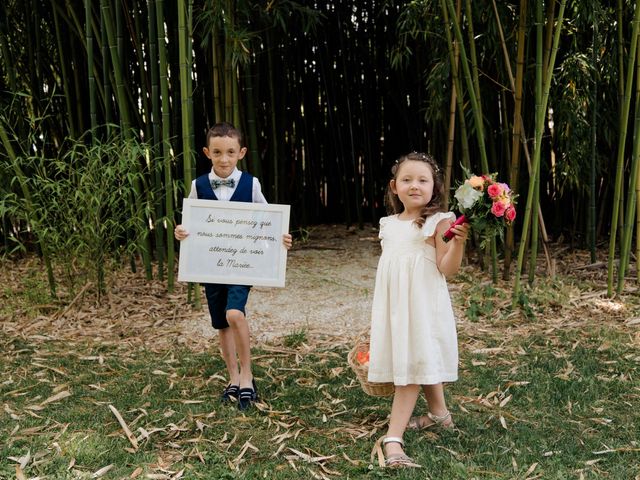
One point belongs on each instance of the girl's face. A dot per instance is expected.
(414, 185)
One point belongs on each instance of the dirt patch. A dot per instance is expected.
(330, 280)
(328, 294)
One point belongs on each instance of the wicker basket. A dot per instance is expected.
(361, 371)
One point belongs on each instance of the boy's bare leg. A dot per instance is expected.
(240, 327)
(404, 401)
(228, 349)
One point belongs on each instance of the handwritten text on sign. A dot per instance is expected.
(234, 243)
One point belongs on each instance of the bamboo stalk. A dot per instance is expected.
(184, 60)
(275, 160)
(252, 129)
(33, 213)
(451, 134)
(472, 54)
(106, 69)
(121, 96)
(117, 7)
(64, 74)
(6, 55)
(627, 231)
(477, 114)
(454, 59)
(185, 93)
(475, 107)
(518, 136)
(540, 117)
(216, 54)
(638, 228)
(621, 85)
(591, 218)
(156, 158)
(228, 66)
(192, 136)
(90, 68)
(624, 118)
(166, 144)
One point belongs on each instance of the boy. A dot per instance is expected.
(227, 302)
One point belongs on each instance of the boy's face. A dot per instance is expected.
(224, 153)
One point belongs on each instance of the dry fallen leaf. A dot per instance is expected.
(531, 469)
(136, 473)
(57, 397)
(19, 473)
(101, 472)
(124, 426)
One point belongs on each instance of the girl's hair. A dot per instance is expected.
(224, 129)
(394, 205)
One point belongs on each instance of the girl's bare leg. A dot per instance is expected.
(437, 407)
(435, 398)
(404, 401)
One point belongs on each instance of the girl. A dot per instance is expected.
(413, 333)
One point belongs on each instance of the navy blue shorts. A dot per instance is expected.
(221, 298)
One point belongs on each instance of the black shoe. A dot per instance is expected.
(230, 392)
(247, 396)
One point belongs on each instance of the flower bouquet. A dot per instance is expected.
(486, 204)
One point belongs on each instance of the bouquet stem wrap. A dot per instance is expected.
(448, 235)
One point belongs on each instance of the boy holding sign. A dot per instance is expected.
(227, 302)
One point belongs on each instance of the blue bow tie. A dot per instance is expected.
(229, 182)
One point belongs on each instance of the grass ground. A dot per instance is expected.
(547, 390)
(550, 407)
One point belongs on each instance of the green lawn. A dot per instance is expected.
(546, 405)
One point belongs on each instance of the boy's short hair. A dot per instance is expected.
(225, 129)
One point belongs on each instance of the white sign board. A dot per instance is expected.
(233, 243)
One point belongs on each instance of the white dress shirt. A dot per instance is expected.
(224, 192)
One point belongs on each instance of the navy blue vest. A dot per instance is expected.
(242, 193)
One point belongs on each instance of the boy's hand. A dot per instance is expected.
(287, 240)
(180, 233)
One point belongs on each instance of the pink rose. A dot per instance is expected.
(498, 209)
(510, 214)
(476, 182)
(495, 190)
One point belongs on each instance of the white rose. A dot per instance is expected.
(467, 195)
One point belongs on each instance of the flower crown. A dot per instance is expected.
(419, 156)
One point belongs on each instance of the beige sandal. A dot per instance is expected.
(398, 460)
(431, 421)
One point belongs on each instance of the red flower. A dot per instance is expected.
(510, 214)
(495, 190)
(498, 208)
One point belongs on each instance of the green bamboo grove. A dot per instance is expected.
(329, 94)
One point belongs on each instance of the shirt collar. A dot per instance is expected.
(235, 175)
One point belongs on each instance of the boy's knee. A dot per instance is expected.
(234, 317)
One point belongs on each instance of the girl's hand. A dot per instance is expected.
(180, 233)
(287, 240)
(460, 232)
